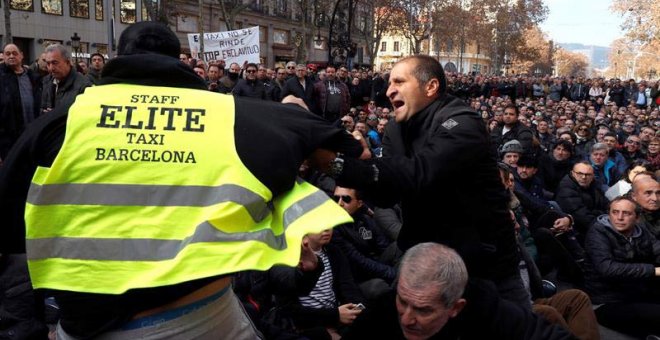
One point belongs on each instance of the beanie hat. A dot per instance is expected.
(511, 146)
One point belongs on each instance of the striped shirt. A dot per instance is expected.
(322, 296)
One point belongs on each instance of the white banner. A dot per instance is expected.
(232, 46)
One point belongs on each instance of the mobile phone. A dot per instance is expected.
(360, 306)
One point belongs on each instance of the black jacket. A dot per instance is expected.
(441, 166)
(343, 284)
(485, 316)
(620, 269)
(519, 132)
(287, 135)
(12, 121)
(250, 88)
(553, 171)
(362, 242)
(292, 86)
(584, 204)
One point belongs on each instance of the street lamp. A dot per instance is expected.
(537, 71)
(75, 44)
(507, 64)
(652, 73)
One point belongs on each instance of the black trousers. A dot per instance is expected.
(638, 319)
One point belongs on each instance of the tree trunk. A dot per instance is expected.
(8, 36)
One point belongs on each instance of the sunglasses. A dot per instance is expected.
(347, 199)
(583, 129)
(251, 71)
(632, 142)
(290, 67)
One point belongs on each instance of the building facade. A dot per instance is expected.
(392, 48)
(37, 23)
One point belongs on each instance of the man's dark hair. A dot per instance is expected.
(149, 37)
(97, 55)
(512, 106)
(427, 68)
(609, 134)
(564, 143)
(638, 209)
(528, 161)
(252, 65)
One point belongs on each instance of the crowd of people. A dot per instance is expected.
(525, 177)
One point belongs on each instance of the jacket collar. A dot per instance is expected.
(150, 70)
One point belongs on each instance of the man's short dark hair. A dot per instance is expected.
(512, 106)
(528, 161)
(565, 144)
(427, 68)
(97, 55)
(638, 209)
(149, 37)
(252, 65)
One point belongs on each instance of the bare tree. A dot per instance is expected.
(229, 9)
(382, 23)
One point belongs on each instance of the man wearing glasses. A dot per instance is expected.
(290, 69)
(365, 246)
(300, 85)
(632, 149)
(579, 196)
(250, 86)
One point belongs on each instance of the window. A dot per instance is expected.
(127, 11)
(383, 46)
(396, 46)
(281, 37)
(53, 7)
(79, 8)
(47, 42)
(102, 48)
(98, 10)
(22, 5)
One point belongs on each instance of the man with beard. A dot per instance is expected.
(333, 99)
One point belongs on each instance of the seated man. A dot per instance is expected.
(510, 153)
(579, 196)
(364, 245)
(434, 300)
(605, 172)
(332, 303)
(646, 193)
(622, 269)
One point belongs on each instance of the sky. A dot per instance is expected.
(588, 22)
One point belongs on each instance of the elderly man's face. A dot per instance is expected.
(58, 66)
(599, 157)
(647, 194)
(421, 312)
(13, 57)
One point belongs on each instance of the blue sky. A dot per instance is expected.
(589, 22)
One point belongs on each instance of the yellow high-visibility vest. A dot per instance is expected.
(148, 190)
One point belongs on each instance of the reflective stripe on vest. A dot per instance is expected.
(116, 211)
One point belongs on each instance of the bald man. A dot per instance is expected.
(20, 92)
(646, 193)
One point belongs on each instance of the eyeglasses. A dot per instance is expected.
(290, 67)
(345, 122)
(583, 129)
(582, 174)
(630, 141)
(347, 199)
(251, 71)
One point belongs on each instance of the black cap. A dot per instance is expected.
(149, 37)
(528, 161)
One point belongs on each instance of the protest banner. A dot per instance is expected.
(231, 46)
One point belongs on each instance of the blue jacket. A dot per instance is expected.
(605, 176)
